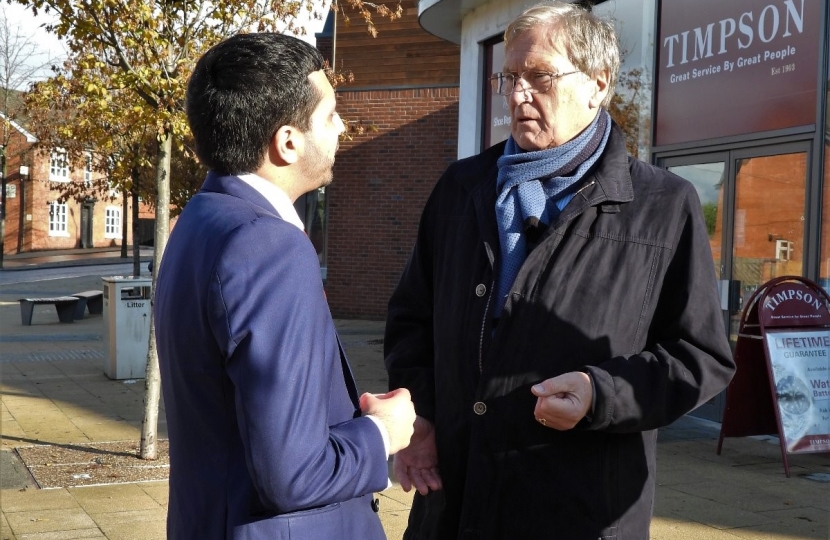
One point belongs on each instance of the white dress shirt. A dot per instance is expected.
(276, 196)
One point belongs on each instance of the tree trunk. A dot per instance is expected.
(152, 381)
(21, 221)
(136, 240)
(4, 149)
(124, 237)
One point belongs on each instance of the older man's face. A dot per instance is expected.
(545, 120)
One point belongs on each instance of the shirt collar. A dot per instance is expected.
(277, 197)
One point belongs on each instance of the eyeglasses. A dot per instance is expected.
(538, 82)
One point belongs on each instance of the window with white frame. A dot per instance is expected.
(58, 166)
(783, 250)
(57, 219)
(88, 170)
(112, 222)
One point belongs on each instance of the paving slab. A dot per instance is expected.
(667, 528)
(64, 535)
(677, 504)
(27, 500)
(157, 490)
(147, 524)
(114, 498)
(13, 472)
(5, 530)
(805, 522)
(40, 520)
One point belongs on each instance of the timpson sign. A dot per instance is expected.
(796, 319)
(781, 384)
(734, 68)
(794, 304)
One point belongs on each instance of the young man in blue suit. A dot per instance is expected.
(268, 437)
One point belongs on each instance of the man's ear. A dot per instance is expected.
(287, 144)
(599, 88)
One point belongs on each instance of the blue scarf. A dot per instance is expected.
(534, 187)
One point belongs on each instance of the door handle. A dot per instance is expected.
(723, 291)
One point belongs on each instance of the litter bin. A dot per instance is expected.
(126, 326)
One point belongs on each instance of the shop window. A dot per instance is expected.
(57, 219)
(112, 222)
(58, 166)
(631, 106)
(496, 111)
(313, 210)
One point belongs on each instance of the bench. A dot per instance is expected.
(65, 305)
(94, 300)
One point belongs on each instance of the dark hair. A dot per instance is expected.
(243, 90)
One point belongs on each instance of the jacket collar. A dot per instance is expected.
(611, 174)
(235, 187)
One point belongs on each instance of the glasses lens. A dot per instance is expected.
(501, 83)
(539, 81)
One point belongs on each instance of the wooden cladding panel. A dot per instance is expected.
(397, 63)
(402, 54)
(403, 79)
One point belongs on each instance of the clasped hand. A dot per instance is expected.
(417, 464)
(564, 400)
(397, 413)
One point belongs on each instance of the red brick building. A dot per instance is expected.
(405, 90)
(35, 217)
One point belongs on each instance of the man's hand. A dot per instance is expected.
(417, 465)
(395, 410)
(564, 400)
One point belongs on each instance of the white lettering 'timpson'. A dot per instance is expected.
(766, 27)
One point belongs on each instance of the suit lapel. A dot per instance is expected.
(348, 376)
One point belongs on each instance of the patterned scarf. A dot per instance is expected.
(534, 187)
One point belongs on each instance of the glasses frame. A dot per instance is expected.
(512, 77)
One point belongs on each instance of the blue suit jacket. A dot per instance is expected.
(266, 438)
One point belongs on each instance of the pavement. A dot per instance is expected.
(73, 257)
(56, 397)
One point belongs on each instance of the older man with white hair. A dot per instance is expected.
(559, 306)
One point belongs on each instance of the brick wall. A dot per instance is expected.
(17, 154)
(381, 183)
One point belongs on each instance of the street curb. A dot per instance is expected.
(66, 264)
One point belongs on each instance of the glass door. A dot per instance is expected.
(754, 203)
(709, 174)
(769, 222)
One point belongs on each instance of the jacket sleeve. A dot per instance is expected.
(408, 340)
(305, 444)
(687, 359)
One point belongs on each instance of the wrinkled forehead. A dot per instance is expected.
(536, 47)
(550, 33)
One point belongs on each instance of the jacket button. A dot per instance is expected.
(479, 408)
(375, 505)
(481, 289)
